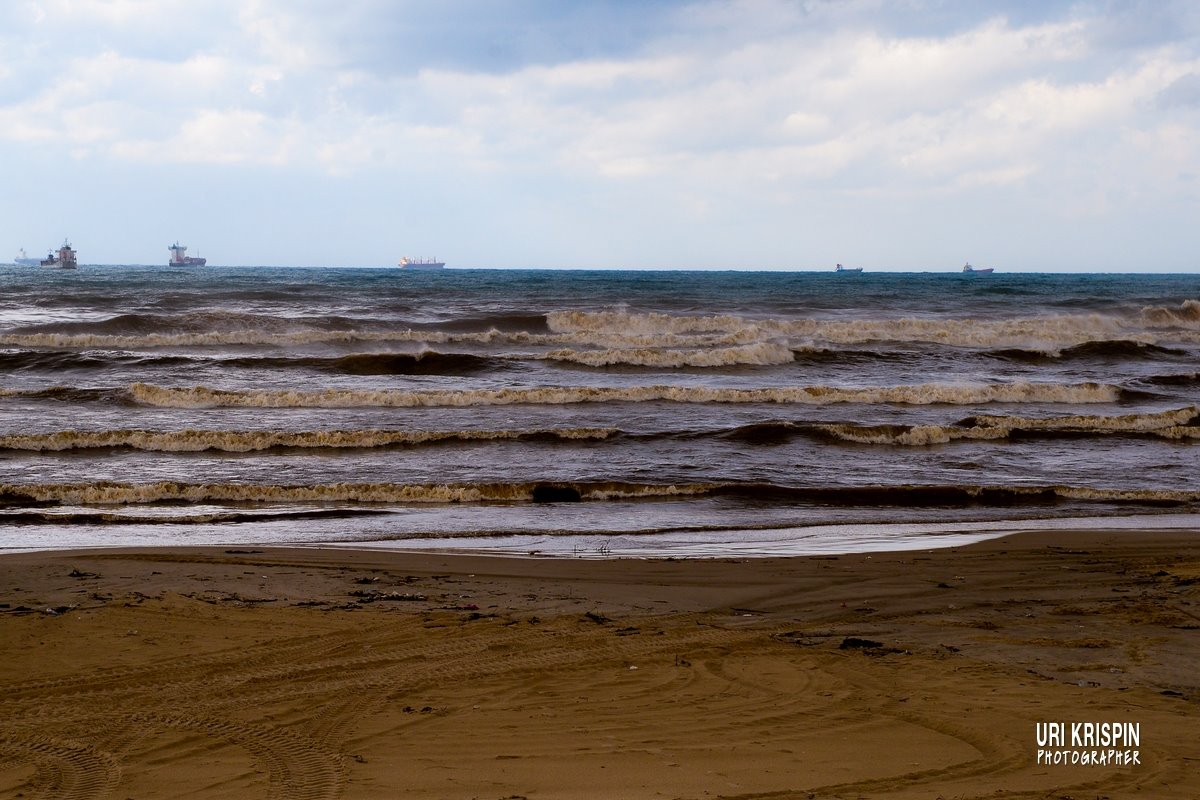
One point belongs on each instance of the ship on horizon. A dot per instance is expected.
(65, 258)
(23, 260)
(180, 258)
(840, 268)
(977, 270)
(421, 263)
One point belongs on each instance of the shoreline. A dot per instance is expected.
(770, 541)
(336, 672)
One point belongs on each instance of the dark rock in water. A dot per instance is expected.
(556, 494)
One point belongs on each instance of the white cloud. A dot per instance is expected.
(235, 136)
(738, 102)
(773, 100)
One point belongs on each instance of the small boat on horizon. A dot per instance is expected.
(840, 268)
(978, 271)
(65, 258)
(180, 258)
(421, 263)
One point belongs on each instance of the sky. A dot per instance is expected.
(718, 134)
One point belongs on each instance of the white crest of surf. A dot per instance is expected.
(616, 329)
(917, 394)
(1146, 421)
(645, 323)
(761, 354)
(1050, 333)
(1171, 424)
(1186, 315)
(118, 493)
(81, 341)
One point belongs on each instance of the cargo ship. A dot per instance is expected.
(180, 258)
(65, 258)
(421, 263)
(23, 260)
(977, 270)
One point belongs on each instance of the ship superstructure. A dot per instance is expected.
(65, 258)
(180, 258)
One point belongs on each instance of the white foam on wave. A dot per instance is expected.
(627, 329)
(1050, 333)
(918, 394)
(761, 354)
(1186, 315)
(1171, 424)
(1147, 421)
(118, 493)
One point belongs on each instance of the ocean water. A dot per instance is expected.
(564, 412)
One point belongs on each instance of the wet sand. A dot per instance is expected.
(304, 673)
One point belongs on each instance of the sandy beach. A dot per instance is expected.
(320, 673)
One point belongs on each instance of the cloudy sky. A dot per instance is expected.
(756, 134)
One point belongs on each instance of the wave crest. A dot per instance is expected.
(761, 354)
(196, 441)
(115, 493)
(1186, 315)
(616, 329)
(1177, 424)
(191, 440)
(918, 394)
(1050, 333)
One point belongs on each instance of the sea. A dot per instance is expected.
(591, 413)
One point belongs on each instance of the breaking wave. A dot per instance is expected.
(1180, 424)
(115, 493)
(1186, 315)
(626, 329)
(918, 394)
(762, 354)
(1051, 333)
(243, 441)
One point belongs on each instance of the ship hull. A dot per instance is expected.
(189, 261)
(66, 258)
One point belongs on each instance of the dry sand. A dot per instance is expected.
(297, 673)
